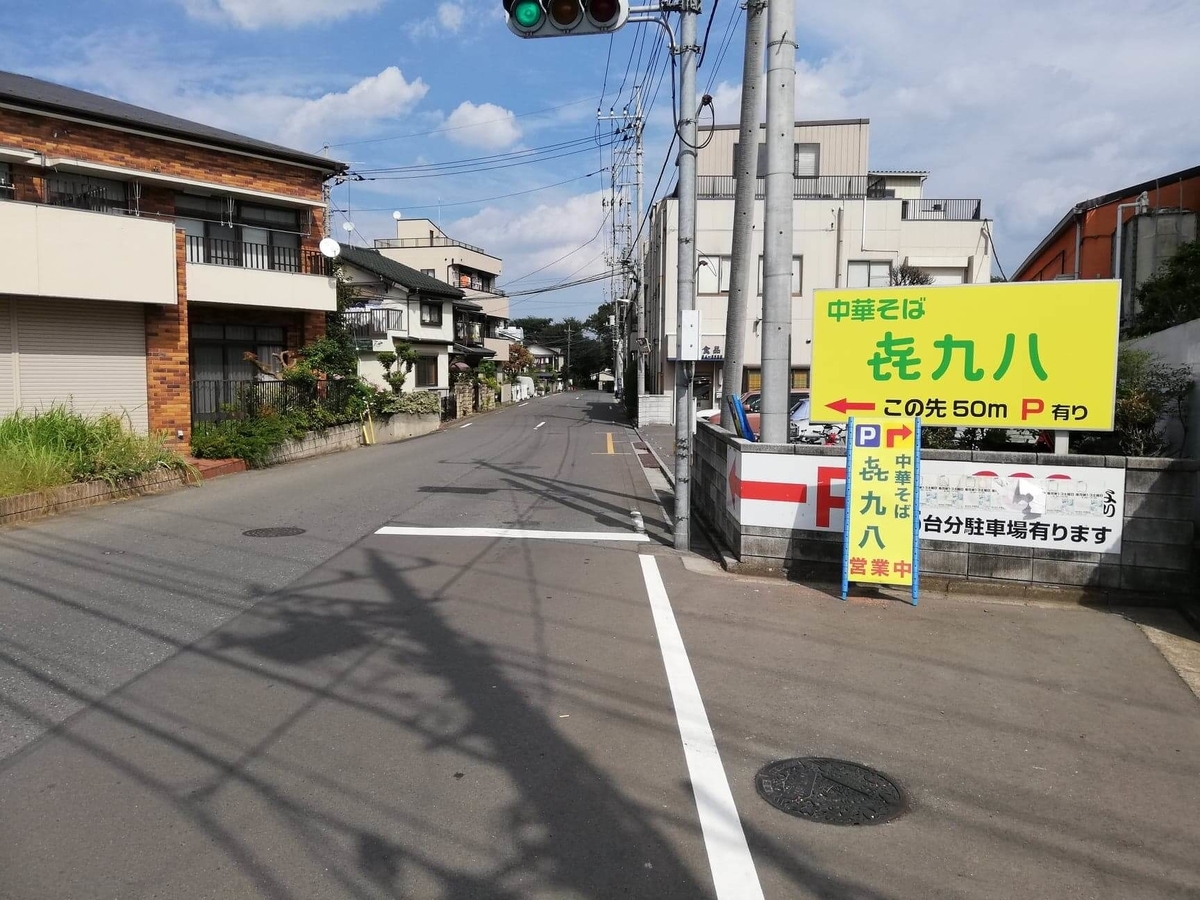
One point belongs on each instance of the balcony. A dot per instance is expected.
(941, 210)
(220, 252)
(244, 274)
(78, 254)
(367, 325)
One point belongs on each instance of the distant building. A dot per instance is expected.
(483, 311)
(1126, 234)
(852, 223)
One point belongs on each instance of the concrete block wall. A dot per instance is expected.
(656, 409)
(1158, 553)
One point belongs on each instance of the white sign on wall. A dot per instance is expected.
(1068, 508)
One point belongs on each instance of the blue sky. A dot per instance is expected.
(1029, 109)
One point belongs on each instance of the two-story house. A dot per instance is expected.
(395, 304)
(148, 262)
(483, 310)
(851, 224)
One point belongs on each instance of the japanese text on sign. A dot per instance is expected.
(881, 502)
(1030, 355)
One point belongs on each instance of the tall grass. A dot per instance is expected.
(59, 446)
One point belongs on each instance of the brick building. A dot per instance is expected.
(143, 256)
(1126, 234)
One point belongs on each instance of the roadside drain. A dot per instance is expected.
(272, 532)
(830, 791)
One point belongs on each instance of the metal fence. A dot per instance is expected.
(942, 210)
(219, 401)
(722, 187)
(246, 255)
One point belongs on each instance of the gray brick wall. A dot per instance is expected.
(1158, 552)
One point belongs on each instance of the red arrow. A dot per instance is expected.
(780, 492)
(904, 433)
(844, 406)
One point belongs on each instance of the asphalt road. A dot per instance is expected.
(416, 699)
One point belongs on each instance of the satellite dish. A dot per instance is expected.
(349, 226)
(397, 215)
(329, 247)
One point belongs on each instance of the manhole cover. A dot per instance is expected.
(830, 791)
(273, 532)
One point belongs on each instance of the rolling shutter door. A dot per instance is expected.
(88, 354)
(8, 388)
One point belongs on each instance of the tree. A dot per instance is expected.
(1172, 296)
(337, 351)
(905, 275)
(1148, 392)
(519, 360)
(406, 356)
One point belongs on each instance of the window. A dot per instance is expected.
(219, 351)
(6, 182)
(429, 272)
(427, 372)
(868, 273)
(797, 275)
(225, 233)
(712, 276)
(431, 314)
(806, 160)
(84, 192)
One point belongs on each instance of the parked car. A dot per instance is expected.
(801, 430)
(751, 402)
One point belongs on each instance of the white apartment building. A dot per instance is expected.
(851, 224)
(422, 245)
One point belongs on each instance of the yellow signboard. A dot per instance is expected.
(881, 538)
(1029, 355)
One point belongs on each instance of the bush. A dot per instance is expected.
(1148, 392)
(59, 446)
(251, 439)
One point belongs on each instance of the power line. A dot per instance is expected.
(729, 32)
(564, 256)
(473, 160)
(475, 171)
(398, 137)
(544, 187)
(712, 15)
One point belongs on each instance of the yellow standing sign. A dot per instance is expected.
(1030, 355)
(881, 537)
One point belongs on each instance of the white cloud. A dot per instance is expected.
(999, 105)
(264, 13)
(375, 98)
(451, 17)
(539, 236)
(484, 125)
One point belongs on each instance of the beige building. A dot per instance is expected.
(851, 224)
(423, 246)
(396, 304)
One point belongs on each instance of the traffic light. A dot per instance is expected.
(559, 18)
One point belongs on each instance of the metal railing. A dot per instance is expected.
(370, 324)
(403, 243)
(218, 401)
(245, 255)
(942, 210)
(90, 197)
(842, 187)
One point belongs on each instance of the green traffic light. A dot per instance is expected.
(527, 13)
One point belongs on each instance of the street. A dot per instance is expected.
(469, 675)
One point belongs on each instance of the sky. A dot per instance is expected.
(1031, 106)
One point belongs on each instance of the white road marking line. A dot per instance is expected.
(515, 533)
(729, 857)
(538, 425)
(468, 425)
(519, 405)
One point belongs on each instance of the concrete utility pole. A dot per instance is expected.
(746, 173)
(639, 357)
(777, 226)
(689, 54)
